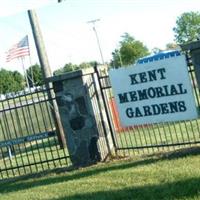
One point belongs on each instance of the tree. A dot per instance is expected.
(172, 46)
(10, 81)
(67, 68)
(18, 80)
(128, 52)
(72, 67)
(85, 65)
(187, 27)
(35, 77)
(169, 46)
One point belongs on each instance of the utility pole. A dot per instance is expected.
(97, 38)
(120, 58)
(46, 72)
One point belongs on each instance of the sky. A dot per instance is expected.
(68, 36)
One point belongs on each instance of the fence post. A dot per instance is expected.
(81, 115)
(194, 49)
(106, 108)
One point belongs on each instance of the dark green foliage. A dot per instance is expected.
(85, 65)
(72, 67)
(35, 77)
(187, 27)
(67, 68)
(10, 81)
(128, 52)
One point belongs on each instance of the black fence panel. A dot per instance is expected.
(150, 138)
(28, 139)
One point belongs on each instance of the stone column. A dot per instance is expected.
(194, 48)
(76, 96)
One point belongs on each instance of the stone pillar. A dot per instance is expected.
(76, 97)
(194, 48)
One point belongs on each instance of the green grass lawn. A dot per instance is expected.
(37, 156)
(172, 176)
(164, 137)
(24, 121)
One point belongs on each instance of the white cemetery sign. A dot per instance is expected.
(154, 92)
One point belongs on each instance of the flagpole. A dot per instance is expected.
(32, 77)
(25, 74)
(31, 70)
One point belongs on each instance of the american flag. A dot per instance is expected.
(18, 50)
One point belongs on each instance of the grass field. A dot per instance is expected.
(23, 116)
(168, 134)
(44, 150)
(172, 176)
(45, 154)
(34, 157)
(23, 121)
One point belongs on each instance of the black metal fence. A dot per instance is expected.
(150, 138)
(29, 142)
(28, 139)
